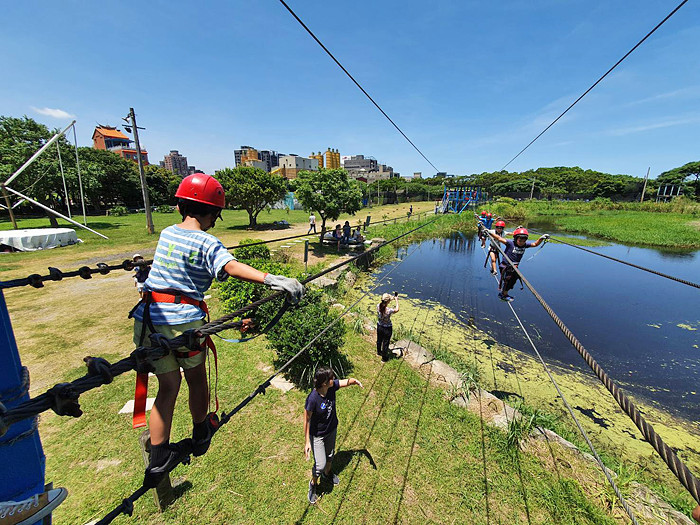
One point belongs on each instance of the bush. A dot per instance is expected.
(260, 251)
(235, 294)
(297, 328)
(165, 208)
(118, 211)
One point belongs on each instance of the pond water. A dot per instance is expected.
(644, 330)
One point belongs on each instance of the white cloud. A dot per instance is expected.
(653, 125)
(54, 113)
(688, 92)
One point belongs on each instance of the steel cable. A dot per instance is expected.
(681, 471)
(655, 272)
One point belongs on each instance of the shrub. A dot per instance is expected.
(118, 211)
(297, 328)
(165, 208)
(260, 251)
(236, 294)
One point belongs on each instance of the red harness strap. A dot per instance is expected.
(141, 392)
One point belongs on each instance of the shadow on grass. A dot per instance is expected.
(413, 446)
(389, 389)
(259, 227)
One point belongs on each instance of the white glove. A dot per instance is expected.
(546, 236)
(294, 289)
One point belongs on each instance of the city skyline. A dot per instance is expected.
(470, 83)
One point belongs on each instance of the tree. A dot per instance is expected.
(679, 175)
(328, 192)
(162, 185)
(251, 189)
(109, 179)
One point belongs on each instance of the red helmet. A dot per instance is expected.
(202, 188)
(520, 232)
(489, 214)
(483, 213)
(500, 224)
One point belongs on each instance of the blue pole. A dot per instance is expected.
(21, 456)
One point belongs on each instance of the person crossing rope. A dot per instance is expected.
(186, 261)
(321, 425)
(384, 326)
(514, 250)
(493, 255)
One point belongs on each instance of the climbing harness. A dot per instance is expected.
(194, 347)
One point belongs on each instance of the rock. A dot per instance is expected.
(377, 240)
(350, 279)
(645, 504)
(324, 282)
(339, 306)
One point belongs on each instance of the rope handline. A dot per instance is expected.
(684, 475)
(655, 272)
(63, 397)
(356, 82)
(597, 82)
(573, 416)
(37, 281)
(127, 504)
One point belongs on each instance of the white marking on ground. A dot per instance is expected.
(128, 408)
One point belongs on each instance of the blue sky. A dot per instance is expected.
(471, 82)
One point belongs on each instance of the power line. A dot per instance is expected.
(597, 82)
(356, 82)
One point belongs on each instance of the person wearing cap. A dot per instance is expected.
(514, 252)
(384, 326)
(186, 261)
(141, 272)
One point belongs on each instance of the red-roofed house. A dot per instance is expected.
(111, 139)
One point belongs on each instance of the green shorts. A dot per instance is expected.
(170, 363)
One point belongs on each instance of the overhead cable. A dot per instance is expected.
(356, 82)
(597, 82)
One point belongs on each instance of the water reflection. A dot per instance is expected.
(643, 329)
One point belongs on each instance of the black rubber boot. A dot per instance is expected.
(164, 458)
(202, 434)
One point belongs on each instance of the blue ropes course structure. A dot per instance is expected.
(457, 199)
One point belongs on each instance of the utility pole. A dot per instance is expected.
(532, 190)
(644, 189)
(142, 175)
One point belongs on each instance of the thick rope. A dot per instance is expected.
(677, 279)
(37, 281)
(687, 479)
(127, 505)
(583, 432)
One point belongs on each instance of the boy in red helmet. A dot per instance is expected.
(514, 251)
(186, 261)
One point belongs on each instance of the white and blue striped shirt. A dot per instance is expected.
(185, 262)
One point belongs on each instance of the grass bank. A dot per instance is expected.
(670, 225)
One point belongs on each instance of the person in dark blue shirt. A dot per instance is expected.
(321, 424)
(514, 251)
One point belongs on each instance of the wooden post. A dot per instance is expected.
(644, 189)
(163, 493)
(9, 207)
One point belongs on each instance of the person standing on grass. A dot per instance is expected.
(384, 326)
(312, 223)
(186, 261)
(321, 425)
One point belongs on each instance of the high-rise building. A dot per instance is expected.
(247, 155)
(111, 139)
(291, 165)
(319, 157)
(176, 163)
(332, 158)
(359, 162)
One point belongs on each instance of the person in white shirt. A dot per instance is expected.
(312, 223)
